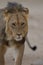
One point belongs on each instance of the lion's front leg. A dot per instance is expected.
(2, 52)
(18, 60)
(2, 60)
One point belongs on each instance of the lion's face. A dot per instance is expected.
(16, 26)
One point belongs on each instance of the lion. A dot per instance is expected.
(15, 31)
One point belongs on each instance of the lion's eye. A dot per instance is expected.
(22, 24)
(13, 24)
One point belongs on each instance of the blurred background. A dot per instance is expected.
(35, 32)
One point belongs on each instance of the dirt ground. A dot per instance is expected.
(35, 34)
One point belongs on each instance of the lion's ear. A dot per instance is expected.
(26, 12)
(6, 15)
(5, 12)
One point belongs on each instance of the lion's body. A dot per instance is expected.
(15, 32)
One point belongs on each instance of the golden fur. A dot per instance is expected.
(16, 29)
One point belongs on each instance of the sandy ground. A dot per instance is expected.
(35, 34)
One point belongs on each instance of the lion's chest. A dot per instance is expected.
(11, 53)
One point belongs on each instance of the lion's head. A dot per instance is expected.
(16, 22)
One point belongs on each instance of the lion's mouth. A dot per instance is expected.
(18, 38)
